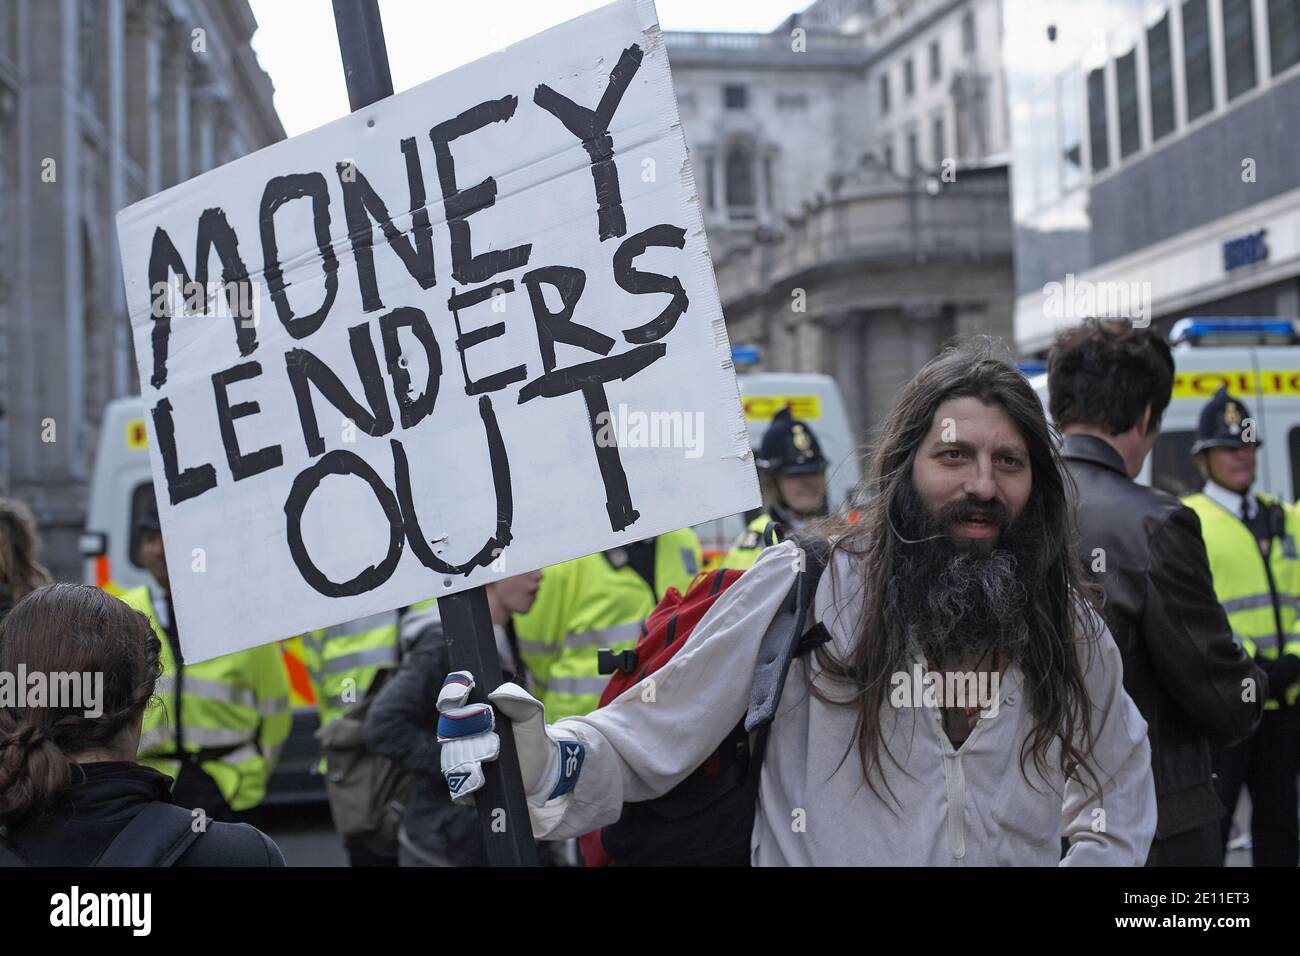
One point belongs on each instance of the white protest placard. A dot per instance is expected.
(466, 332)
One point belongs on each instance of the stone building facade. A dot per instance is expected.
(102, 103)
(852, 168)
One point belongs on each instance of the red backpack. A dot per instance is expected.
(708, 818)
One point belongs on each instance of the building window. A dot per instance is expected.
(735, 97)
(938, 136)
(884, 94)
(1196, 57)
(887, 154)
(1097, 135)
(936, 62)
(1284, 33)
(710, 181)
(1126, 82)
(738, 170)
(1239, 45)
(913, 152)
(968, 32)
(909, 77)
(1160, 69)
(1071, 130)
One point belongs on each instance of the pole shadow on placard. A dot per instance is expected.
(465, 618)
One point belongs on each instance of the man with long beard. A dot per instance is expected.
(960, 563)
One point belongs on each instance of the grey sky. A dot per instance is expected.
(297, 45)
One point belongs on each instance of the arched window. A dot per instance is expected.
(741, 189)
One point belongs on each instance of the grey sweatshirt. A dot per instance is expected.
(967, 807)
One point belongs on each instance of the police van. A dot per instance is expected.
(815, 399)
(1259, 362)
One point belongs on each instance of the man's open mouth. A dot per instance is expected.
(978, 525)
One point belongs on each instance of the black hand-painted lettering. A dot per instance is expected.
(589, 378)
(460, 204)
(280, 190)
(254, 463)
(559, 326)
(305, 369)
(618, 498)
(411, 410)
(339, 462)
(500, 465)
(592, 127)
(467, 340)
(562, 381)
(644, 283)
(181, 484)
(361, 204)
(214, 232)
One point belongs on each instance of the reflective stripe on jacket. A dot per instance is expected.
(343, 660)
(749, 545)
(1241, 582)
(234, 710)
(587, 604)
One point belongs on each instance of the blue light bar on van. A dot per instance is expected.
(1030, 369)
(1232, 330)
(744, 356)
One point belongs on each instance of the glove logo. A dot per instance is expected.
(456, 780)
(571, 754)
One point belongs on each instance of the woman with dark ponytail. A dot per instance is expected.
(77, 671)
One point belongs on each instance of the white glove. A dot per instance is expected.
(549, 759)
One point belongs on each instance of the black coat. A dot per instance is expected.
(86, 818)
(1181, 666)
(402, 724)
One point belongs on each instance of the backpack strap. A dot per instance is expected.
(785, 637)
(158, 835)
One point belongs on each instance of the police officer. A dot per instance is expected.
(1251, 538)
(792, 470)
(222, 722)
(597, 602)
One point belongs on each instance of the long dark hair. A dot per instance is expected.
(1060, 598)
(20, 572)
(77, 629)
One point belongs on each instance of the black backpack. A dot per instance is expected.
(708, 819)
(158, 835)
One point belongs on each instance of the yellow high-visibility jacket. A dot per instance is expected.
(587, 604)
(233, 710)
(1241, 581)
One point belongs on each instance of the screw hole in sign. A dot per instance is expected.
(446, 582)
(370, 123)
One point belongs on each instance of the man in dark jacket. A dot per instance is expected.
(403, 719)
(1109, 385)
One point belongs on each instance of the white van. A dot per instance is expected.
(1259, 361)
(815, 399)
